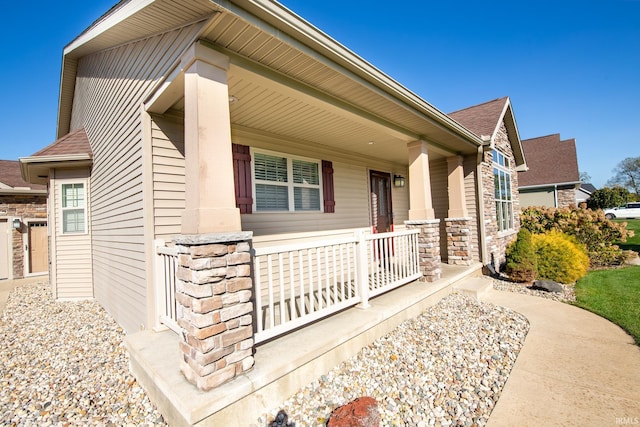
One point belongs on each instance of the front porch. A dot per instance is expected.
(282, 366)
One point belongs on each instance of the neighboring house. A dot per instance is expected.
(584, 192)
(226, 169)
(502, 159)
(23, 224)
(553, 177)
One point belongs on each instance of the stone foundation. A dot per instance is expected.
(459, 241)
(215, 312)
(428, 247)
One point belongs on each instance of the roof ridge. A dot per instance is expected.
(478, 105)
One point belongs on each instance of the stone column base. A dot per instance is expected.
(459, 241)
(428, 247)
(214, 292)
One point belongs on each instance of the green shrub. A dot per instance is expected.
(589, 227)
(521, 258)
(559, 257)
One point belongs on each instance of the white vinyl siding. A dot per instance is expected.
(538, 197)
(72, 275)
(110, 88)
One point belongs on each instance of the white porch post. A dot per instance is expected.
(420, 203)
(210, 194)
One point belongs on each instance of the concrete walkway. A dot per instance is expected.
(6, 286)
(575, 368)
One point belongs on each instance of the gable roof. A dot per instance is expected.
(295, 61)
(11, 179)
(72, 150)
(485, 119)
(551, 161)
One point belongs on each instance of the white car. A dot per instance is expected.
(632, 210)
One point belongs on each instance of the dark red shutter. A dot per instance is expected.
(327, 187)
(242, 177)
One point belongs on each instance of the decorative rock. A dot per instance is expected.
(362, 412)
(547, 286)
(281, 420)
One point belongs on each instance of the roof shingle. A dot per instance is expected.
(11, 176)
(550, 161)
(481, 119)
(75, 142)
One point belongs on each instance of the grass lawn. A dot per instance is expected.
(614, 295)
(632, 243)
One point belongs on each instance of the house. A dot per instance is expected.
(495, 124)
(553, 176)
(584, 192)
(23, 224)
(226, 170)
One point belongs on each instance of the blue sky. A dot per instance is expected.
(570, 67)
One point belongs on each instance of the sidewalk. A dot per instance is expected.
(575, 368)
(6, 286)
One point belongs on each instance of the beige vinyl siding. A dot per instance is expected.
(351, 188)
(110, 88)
(438, 172)
(538, 197)
(167, 136)
(73, 251)
(470, 189)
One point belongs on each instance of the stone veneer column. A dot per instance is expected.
(428, 247)
(214, 292)
(459, 240)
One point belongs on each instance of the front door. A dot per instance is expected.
(38, 247)
(381, 211)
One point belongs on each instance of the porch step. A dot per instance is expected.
(474, 287)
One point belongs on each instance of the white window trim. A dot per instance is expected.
(508, 172)
(85, 208)
(290, 185)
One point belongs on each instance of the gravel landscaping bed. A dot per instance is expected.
(445, 368)
(567, 295)
(64, 363)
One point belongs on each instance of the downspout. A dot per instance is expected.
(555, 195)
(480, 207)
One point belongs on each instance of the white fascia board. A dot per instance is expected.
(108, 21)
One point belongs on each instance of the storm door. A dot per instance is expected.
(381, 211)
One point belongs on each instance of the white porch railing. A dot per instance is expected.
(297, 284)
(300, 283)
(166, 261)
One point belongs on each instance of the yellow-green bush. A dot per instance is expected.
(560, 257)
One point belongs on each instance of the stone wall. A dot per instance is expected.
(566, 196)
(23, 207)
(459, 241)
(428, 247)
(214, 293)
(496, 242)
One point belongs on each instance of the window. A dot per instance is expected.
(73, 208)
(284, 184)
(502, 185)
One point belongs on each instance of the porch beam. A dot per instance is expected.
(420, 202)
(210, 195)
(455, 180)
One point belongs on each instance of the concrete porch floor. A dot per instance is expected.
(282, 366)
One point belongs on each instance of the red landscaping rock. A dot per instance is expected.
(362, 412)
